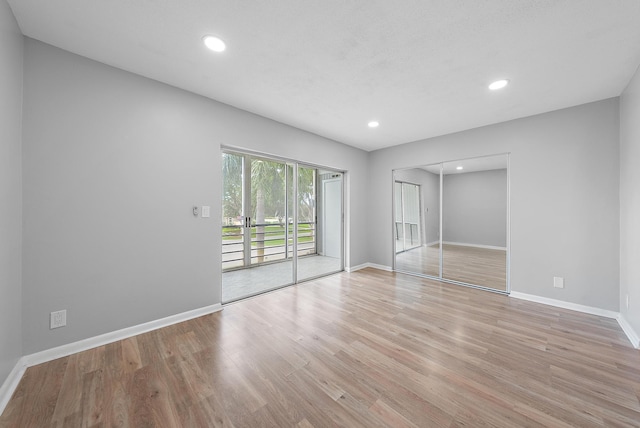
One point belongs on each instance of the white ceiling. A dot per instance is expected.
(420, 67)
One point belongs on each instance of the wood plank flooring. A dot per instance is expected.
(363, 349)
(472, 265)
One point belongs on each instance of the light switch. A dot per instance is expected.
(206, 211)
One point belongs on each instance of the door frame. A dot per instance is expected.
(295, 164)
(440, 276)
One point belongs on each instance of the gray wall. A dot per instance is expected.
(113, 163)
(630, 202)
(11, 54)
(475, 208)
(564, 197)
(430, 194)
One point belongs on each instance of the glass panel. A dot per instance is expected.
(306, 211)
(417, 220)
(411, 210)
(474, 221)
(291, 200)
(273, 210)
(266, 265)
(320, 222)
(232, 212)
(397, 211)
(268, 211)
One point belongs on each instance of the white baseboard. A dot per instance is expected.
(380, 267)
(566, 305)
(466, 244)
(11, 383)
(369, 265)
(103, 339)
(432, 243)
(634, 338)
(355, 268)
(622, 322)
(9, 386)
(629, 331)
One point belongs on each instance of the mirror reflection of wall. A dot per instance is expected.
(473, 218)
(424, 185)
(474, 221)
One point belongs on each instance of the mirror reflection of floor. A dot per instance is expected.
(472, 265)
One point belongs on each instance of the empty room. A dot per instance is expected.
(319, 214)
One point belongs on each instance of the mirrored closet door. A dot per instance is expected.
(460, 213)
(417, 220)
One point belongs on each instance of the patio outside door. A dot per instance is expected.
(273, 234)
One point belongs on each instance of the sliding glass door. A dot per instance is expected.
(273, 233)
(320, 237)
(254, 225)
(407, 216)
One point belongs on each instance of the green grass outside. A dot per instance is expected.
(270, 231)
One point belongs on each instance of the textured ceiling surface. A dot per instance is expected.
(419, 67)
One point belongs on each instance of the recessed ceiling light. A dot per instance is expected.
(459, 168)
(214, 43)
(498, 84)
(374, 124)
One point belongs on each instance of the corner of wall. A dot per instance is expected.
(11, 86)
(629, 331)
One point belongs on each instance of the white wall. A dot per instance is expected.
(474, 208)
(113, 163)
(11, 54)
(564, 197)
(630, 202)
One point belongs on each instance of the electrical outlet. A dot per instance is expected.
(558, 282)
(58, 319)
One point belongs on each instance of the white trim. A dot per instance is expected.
(566, 305)
(355, 268)
(103, 339)
(380, 267)
(11, 383)
(624, 324)
(508, 248)
(369, 265)
(466, 244)
(629, 331)
(432, 243)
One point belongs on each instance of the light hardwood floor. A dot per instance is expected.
(472, 265)
(363, 349)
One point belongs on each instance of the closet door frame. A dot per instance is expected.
(441, 237)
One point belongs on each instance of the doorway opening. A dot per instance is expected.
(282, 223)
